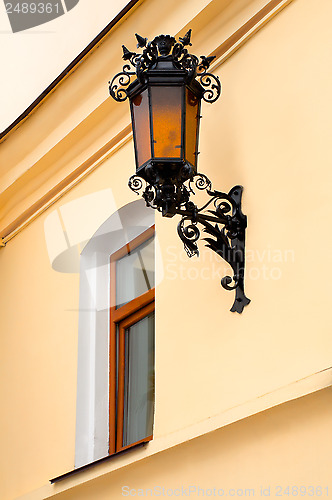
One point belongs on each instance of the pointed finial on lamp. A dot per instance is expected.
(206, 61)
(126, 53)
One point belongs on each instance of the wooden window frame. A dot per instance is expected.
(124, 317)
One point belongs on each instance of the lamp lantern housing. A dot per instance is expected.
(165, 113)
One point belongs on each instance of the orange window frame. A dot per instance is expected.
(123, 317)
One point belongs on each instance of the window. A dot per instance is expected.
(93, 355)
(132, 343)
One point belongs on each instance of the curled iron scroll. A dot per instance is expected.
(211, 85)
(189, 234)
(226, 283)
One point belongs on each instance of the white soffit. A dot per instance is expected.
(32, 58)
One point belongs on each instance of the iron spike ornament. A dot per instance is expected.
(165, 85)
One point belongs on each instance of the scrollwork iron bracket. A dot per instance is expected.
(224, 224)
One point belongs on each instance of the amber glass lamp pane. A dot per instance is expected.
(141, 127)
(166, 121)
(192, 112)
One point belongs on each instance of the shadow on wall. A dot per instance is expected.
(69, 228)
(82, 234)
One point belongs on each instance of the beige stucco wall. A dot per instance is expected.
(268, 131)
(287, 446)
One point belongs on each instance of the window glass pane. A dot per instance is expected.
(141, 120)
(139, 381)
(135, 273)
(166, 119)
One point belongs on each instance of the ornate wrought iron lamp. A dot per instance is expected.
(165, 86)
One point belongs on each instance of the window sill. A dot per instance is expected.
(98, 462)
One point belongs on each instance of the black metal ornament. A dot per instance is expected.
(169, 190)
(225, 224)
(164, 45)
